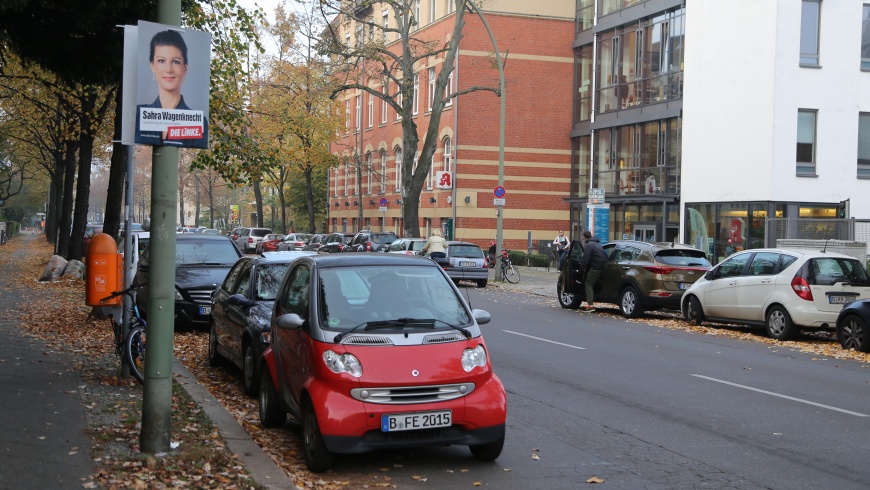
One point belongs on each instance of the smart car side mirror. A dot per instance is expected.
(482, 317)
(290, 321)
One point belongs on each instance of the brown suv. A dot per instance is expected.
(638, 276)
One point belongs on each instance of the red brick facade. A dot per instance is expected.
(538, 80)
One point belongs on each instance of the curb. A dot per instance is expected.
(261, 467)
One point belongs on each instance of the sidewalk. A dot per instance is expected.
(534, 280)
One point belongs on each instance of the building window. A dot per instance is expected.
(369, 172)
(448, 90)
(386, 18)
(358, 112)
(399, 100)
(865, 38)
(864, 145)
(346, 176)
(371, 110)
(448, 155)
(415, 98)
(810, 32)
(585, 14)
(398, 169)
(583, 95)
(383, 171)
(432, 11)
(415, 22)
(347, 116)
(450, 6)
(384, 104)
(431, 93)
(371, 29)
(335, 182)
(806, 142)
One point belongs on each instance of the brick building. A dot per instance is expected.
(458, 195)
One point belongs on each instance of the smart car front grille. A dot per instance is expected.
(367, 340)
(200, 296)
(407, 395)
(444, 338)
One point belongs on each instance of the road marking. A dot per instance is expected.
(544, 340)
(781, 396)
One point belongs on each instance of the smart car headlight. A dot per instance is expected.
(472, 358)
(342, 363)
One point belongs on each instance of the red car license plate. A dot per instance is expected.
(414, 421)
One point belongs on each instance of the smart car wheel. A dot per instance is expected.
(214, 357)
(317, 457)
(271, 414)
(852, 334)
(250, 376)
(779, 324)
(629, 303)
(694, 314)
(567, 299)
(488, 452)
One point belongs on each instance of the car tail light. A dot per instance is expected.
(250, 239)
(801, 287)
(340, 247)
(657, 269)
(368, 246)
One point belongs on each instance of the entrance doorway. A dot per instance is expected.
(644, 233)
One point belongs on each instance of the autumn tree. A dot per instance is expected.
(378, 56)
(296, 109)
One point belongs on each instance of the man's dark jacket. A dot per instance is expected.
(593, 255)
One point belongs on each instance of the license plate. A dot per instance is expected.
(467, 264)
(415, 421)
(205, 310)
(836, 299)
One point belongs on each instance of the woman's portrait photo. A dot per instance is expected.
(164, 117)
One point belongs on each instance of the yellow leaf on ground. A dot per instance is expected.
(595, 479)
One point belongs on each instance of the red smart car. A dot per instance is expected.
(373, 351)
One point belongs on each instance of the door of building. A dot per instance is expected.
(644, 233)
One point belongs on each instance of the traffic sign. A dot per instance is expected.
(596, 196)
(498, 202)
(383, 201)
(498, 192)
(383, 209)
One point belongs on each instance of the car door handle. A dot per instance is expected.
(732, 283)
(765, 281)
(625, 267)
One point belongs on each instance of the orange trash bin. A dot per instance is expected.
(103, 271)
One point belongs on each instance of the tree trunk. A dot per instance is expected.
(309, 194)
(83, 183)
(283, 175)
(211, 204)
(181, 203)
(52, 213)
(117, 173)
(258, 197)
(196, 210)
(66, 201)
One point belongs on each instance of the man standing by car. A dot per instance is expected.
(593, 262)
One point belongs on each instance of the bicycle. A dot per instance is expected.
(509, 273)
(131, 347)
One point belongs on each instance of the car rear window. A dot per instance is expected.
(686, 258)
(417, 245)
(260, 231)
(212, 252)
(829, 271)
(465, 251)
(383, 238)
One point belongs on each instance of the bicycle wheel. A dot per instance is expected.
(511, 274)
(134, 352)
(118, 338)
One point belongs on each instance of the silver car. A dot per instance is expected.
(465, 262)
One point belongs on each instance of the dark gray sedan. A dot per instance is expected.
(242, 310)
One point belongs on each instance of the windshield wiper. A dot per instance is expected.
(401, 322)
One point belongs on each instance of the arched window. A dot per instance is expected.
(383, 171)
(448, 154)
(369, 172)
(346, 176)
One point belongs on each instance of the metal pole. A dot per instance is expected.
(157, 397)
(501, 120)
(128, 251)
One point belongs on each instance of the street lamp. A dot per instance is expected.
(501, 95)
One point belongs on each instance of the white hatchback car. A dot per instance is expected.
(781, 290)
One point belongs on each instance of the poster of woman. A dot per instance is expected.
(173, 86)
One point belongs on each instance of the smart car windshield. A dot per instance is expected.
(351, 296)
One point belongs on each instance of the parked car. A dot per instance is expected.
(779, 289)
(91, 229)
(201, 263)
(315, 242)
(407, 246)
(362, 370)
(211, 231)
(242, 311)
(293, 241)
(638, 276)
(852, 326)
(334, 243)
(247, 241)
(371, 241)
(236, 233)
(269, 243)
(465, 262)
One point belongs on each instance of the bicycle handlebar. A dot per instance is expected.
(129, 290)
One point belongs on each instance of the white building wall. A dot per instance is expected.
(743, 87)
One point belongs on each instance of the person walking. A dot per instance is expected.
(561, 243)
(436, 246)
(592, 264)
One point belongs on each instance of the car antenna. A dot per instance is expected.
(825, 248)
